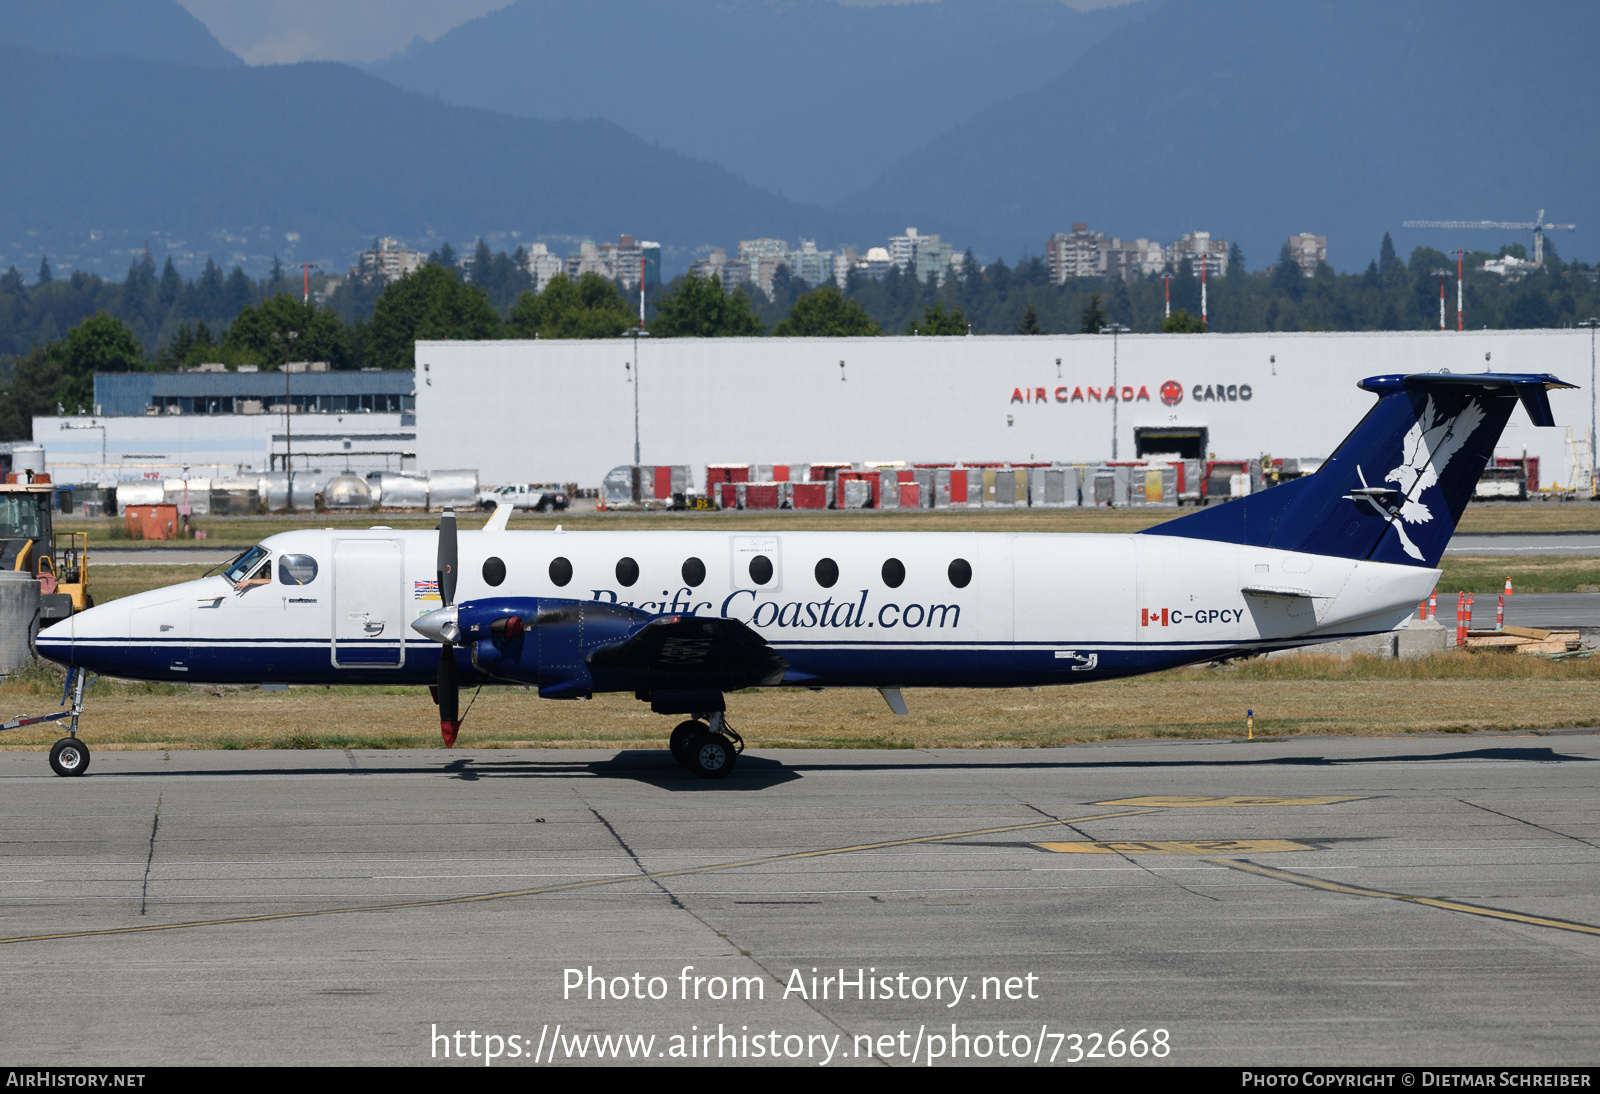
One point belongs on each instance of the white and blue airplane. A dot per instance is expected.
(679, 618)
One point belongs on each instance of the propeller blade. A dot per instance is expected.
(447, 557)
(449, 696)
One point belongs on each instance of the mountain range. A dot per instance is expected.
(700, 122)
(808, 98)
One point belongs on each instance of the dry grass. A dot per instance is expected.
(1290, 696)
(1528, 573)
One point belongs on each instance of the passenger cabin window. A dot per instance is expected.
(560, 571)
(627, 572)
(827, 573)
(297, 570)
(494, 570)
(961, 573)
(694, 572)
(760, 569)
(894, 573)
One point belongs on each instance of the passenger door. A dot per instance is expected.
(369, 621)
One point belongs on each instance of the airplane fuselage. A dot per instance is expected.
(851, 609)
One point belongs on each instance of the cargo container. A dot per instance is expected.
(809, 495)
(152, 521)
(954, 488)
(1153, 485)
(1054, 487)
(853, 493)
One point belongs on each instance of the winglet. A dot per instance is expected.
(498, 519)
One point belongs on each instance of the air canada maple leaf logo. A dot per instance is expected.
(1172, 393)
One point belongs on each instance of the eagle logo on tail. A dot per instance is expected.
(1429, 445)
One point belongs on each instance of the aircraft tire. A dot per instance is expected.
(682, 735)
(711, 756)
(69, 756)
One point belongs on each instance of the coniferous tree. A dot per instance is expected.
(1094, 317)
(1030, 322)
(45, 274)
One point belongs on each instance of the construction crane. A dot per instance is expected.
(1537, 226)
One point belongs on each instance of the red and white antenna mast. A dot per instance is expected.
(1459, 256)
(1203, 258)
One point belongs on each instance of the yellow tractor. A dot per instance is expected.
(30, 544)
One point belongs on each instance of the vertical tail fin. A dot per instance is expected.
(1395, 489)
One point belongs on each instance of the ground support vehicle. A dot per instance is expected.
(30, 544)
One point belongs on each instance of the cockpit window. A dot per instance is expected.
(297, 569)
(245, 564)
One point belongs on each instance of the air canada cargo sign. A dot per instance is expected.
(1171, 393)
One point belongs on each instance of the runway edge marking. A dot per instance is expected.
(1432, 902)
(566, 887)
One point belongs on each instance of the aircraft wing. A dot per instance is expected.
(675, 652)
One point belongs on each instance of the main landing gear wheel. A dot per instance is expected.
(681, 738)
(69, 756)
(711, 755)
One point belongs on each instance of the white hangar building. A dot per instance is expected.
(565, 410)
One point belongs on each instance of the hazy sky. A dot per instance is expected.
(280, 31)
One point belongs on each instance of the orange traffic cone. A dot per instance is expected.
(1508, 585)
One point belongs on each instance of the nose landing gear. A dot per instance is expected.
(68, 756)
(709, 749)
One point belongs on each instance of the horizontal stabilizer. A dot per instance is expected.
(1276, 591)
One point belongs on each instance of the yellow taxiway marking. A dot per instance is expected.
(1159, 802)
(1446, 905)
(1178, 847)
(568, 886)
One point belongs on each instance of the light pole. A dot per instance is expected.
(1114, 329)
(288, 468)
(636, 333)
(305, 284)
(1591, 323)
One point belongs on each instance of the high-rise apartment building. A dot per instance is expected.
(1309, 251)
(541, 265)
(763, 257)
(1079, 253)
(811, 265)
(1198, 248)
(387, 260)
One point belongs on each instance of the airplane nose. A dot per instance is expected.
(54, 643)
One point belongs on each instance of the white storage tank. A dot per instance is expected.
(346, 492)
(139, 493)
(306, 487)
(453, 488)
(398, 490)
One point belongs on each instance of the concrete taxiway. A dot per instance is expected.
(1307, 901)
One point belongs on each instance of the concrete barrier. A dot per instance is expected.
(19, 619)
